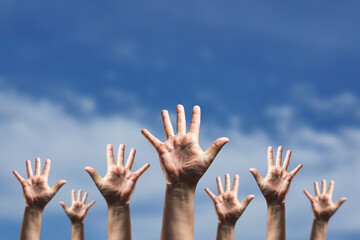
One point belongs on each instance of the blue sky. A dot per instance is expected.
(75, 76)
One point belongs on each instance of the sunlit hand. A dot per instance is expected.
(228, 208)
(181, 158)
(78, 209)
(118, 184)
(36, 190)
(276, 184)
(322, 205)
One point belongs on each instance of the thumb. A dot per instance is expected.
(64, 206)
(339, 203)
(57, 186)
(247, 200)
(256, 175)
(94, 175)
(214, 149)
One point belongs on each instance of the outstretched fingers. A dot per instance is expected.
(287, 160)
(214, 149)
(340, 202)
(323, 186)
(247, 200)
(120, 155)
(181, 121)
(94, 175)
(236, 184)
(85, 198)
(79, 195)
(270, 157)
(57, 186)
(19, 178)
(46, 170)
(256, 175)
(279, 156)
(227, 182)
(29, 169)
(331, 188)
(168, 128)
(73, 196)
(37, 167)
(64, 206)
(316, 188)
(219, 185)
(153, 140)
(308, 195)
(130, 160)
(90, 204)
(140, 172)
(295, 171)
(195, 121)
(109, 155)
(211, 195)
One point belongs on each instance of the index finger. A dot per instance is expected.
(109, 155)
(195, 121)
(270, 157)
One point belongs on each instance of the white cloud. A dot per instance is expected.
(31, 128)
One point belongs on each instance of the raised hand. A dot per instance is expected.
(227, 206)
(118, 184)
(181, 158)
(117, 187)
(275, 186)
(36, 190)
(78, 209)
(322, 205)
(37, 194)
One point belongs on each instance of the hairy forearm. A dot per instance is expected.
(77, 231)
(276, 226)
(318, 230)
(31, 225)
(225, 231)
(178, 215)
(119, 223)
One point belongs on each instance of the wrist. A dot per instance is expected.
(77, 225)
(320, 221)
(34, 210)
(119, 207)
(275, 204)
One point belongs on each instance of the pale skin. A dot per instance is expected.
(37, 193)
(77, 213)
(117, 187)
(227, 207)
(323, 209)
(275, 187)
(183, 163)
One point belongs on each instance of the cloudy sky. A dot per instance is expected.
(75, 76)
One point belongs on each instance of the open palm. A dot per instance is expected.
(118, 184)
(276, 184)
(181, 157)
(322, 205)
(78, 209)
(36, 190)
(227, 206)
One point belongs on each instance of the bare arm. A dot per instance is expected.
(275, 187)
(37, 194)
(77, 213)
(227, 207)
(183, 163)
(323, 209)
(117, 187)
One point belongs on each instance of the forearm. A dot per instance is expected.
(119, 223)
(77, 231)
(178, 215)
(318, 230)
(225, 231)
(276, 225)
(31, 225)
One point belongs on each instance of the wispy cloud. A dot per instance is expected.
(42, 128)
